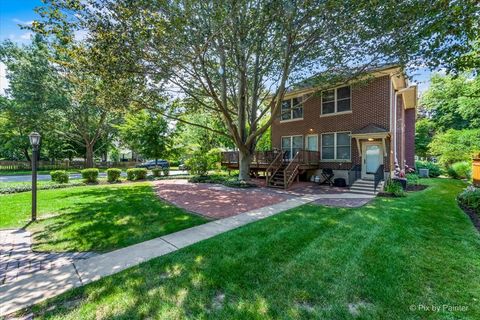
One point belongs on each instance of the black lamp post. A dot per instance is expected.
(34, 141)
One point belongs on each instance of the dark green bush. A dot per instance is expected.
(60, 176)
(134, 174)
(434, 169)
(90, 175)
(394, 188)
(174, 163)
(412, 179)
(470, 198)
(113, 175)
(239, 184)
(157, 172)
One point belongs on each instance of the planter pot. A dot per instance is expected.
(423, 173)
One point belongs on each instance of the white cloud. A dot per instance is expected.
(3, 78)
(23, 22)
(26, 35)
(80, 35)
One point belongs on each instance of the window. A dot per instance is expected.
(292, 109)
(336, 146)
(292, 144)
(336, 100)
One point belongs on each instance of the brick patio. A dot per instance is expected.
(217, 201)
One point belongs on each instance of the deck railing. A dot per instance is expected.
(266, 157)
(274, 166)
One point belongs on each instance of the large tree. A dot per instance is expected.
(242, 56)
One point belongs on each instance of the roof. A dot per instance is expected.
(371, 128)
(329, 79)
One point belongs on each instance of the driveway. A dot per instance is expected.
(46, 177)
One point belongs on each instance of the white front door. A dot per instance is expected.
(372, 157)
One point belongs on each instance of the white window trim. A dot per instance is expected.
(291, 110)
(335, 147)
(335, 102)
(306, 141)
(291, 141)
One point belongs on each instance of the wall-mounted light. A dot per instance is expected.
(370, 139)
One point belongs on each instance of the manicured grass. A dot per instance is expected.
(28, 172)
(311, 262)
(95, 218)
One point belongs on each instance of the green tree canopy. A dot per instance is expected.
(455, 145)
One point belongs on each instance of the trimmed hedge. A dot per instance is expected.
(156, 172)
(113, 175)
(60, 176)
(166, 171)
(90, 175)
(134, 174)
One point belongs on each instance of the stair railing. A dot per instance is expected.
(354, 174)
(274, 166)
(378, 176)
(291, 171)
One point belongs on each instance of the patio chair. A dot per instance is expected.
(327, 175)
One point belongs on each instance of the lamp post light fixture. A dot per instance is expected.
(34, 141)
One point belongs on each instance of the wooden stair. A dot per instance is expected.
(278, 179)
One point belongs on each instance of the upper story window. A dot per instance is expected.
(292, 109)
(336, 100)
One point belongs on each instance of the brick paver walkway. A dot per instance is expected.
(17, 260)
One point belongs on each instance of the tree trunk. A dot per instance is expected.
(89, 156)
(244, 161)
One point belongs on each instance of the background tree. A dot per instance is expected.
(147, 133)
(453, 102)
(34, 96)
(455, 145)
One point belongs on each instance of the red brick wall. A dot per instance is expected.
(370, 105)
(410, 117)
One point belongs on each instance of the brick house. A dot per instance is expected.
(364, 127)
(367, 123)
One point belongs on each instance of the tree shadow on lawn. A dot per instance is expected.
(309, 262)
(113, 218)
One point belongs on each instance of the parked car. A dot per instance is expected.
(150, 164)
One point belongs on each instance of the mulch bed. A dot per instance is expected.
(418, 187)
(474, 216)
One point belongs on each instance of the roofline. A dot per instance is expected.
(387, 71)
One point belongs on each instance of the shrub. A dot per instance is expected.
(60, 176)
(433, 168)
(174, 163)
(156, 172)
(412, 179)
(239, 184)
(201, 161)
(90, 175)
(166, 171)
(394, 188)
(460, 170)
(113, 175)
(136, 174)
(470, 197)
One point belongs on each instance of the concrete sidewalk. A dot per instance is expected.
(45, 284)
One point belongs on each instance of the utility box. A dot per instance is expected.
(423, 173)
(476, 171)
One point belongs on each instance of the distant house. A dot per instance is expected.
(356, 129)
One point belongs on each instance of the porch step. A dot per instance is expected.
(365, 187)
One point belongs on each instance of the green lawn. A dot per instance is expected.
(97, 218)
(311, 262)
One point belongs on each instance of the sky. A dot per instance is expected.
(20, 12)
